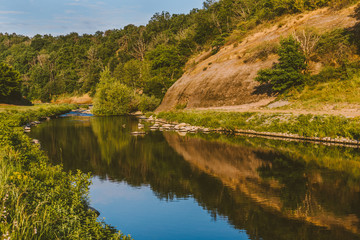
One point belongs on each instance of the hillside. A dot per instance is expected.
(227, 78)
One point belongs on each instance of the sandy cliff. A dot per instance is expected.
(227, 79)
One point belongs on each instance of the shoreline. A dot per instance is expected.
(58, 198)
(182, 127)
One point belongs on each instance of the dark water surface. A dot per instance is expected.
(164, 186)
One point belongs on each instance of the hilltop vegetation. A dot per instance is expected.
(147, 59)
(323, 49)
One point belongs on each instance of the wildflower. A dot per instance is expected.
(6, 235)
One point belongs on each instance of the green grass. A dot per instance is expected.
(37, 200)
(337, 94)
(5, 107)
(303, 125)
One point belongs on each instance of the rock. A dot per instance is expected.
(183, 134)
(138, 113)
(183, 125)
(94, 210)
(185, 129)
(27, 128)
(35, 141)
(194, 129)
(167, 126)
(277, 104)
(159, 121)
(154, 128)
(141, 126)
(138, 133)
(205, 130)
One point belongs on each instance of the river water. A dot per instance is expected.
(166, 186)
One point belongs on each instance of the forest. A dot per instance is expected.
(144, 60)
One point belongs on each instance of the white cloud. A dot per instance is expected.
(11, 12)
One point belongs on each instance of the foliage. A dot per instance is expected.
(335, 48)
(148, 104)
(289, 71)
(149, 58)
(10, 82)
(218, 43)
(40, 201)
(115, 98)
(112, 97)
(329, 89)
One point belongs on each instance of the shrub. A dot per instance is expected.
(113, 100)
(112, 97)
(218, 43)
(147, 103)
(335, 48)
(290, 69)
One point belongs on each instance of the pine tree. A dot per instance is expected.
(290, 69)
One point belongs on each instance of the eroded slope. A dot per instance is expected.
(227, 78)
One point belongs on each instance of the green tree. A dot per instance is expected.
(289, 71)
(132, 74)
(112, 97)
(10, 82)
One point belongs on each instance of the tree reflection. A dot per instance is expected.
(271, 189)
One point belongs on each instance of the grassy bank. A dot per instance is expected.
(304, 125)
(333, 95)
(37, 200)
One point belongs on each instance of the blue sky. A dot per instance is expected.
(29, 17)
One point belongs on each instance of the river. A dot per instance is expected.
(166, 186)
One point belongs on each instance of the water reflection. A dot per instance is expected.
(270, 189)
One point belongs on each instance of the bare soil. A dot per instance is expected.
(260, 106)
(85, 99)
(227, 79)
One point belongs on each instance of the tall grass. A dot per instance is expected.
(337, 94)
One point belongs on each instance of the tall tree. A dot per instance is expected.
(10, 82)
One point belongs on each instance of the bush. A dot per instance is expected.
(112, 97)
(148, 104)
(113, 100)
(335, 48)
(289, 71)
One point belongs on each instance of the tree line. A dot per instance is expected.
(146, 59)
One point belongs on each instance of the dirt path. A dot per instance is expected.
(259, 107)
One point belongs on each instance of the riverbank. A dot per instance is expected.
(308, 127)
(40, 201)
